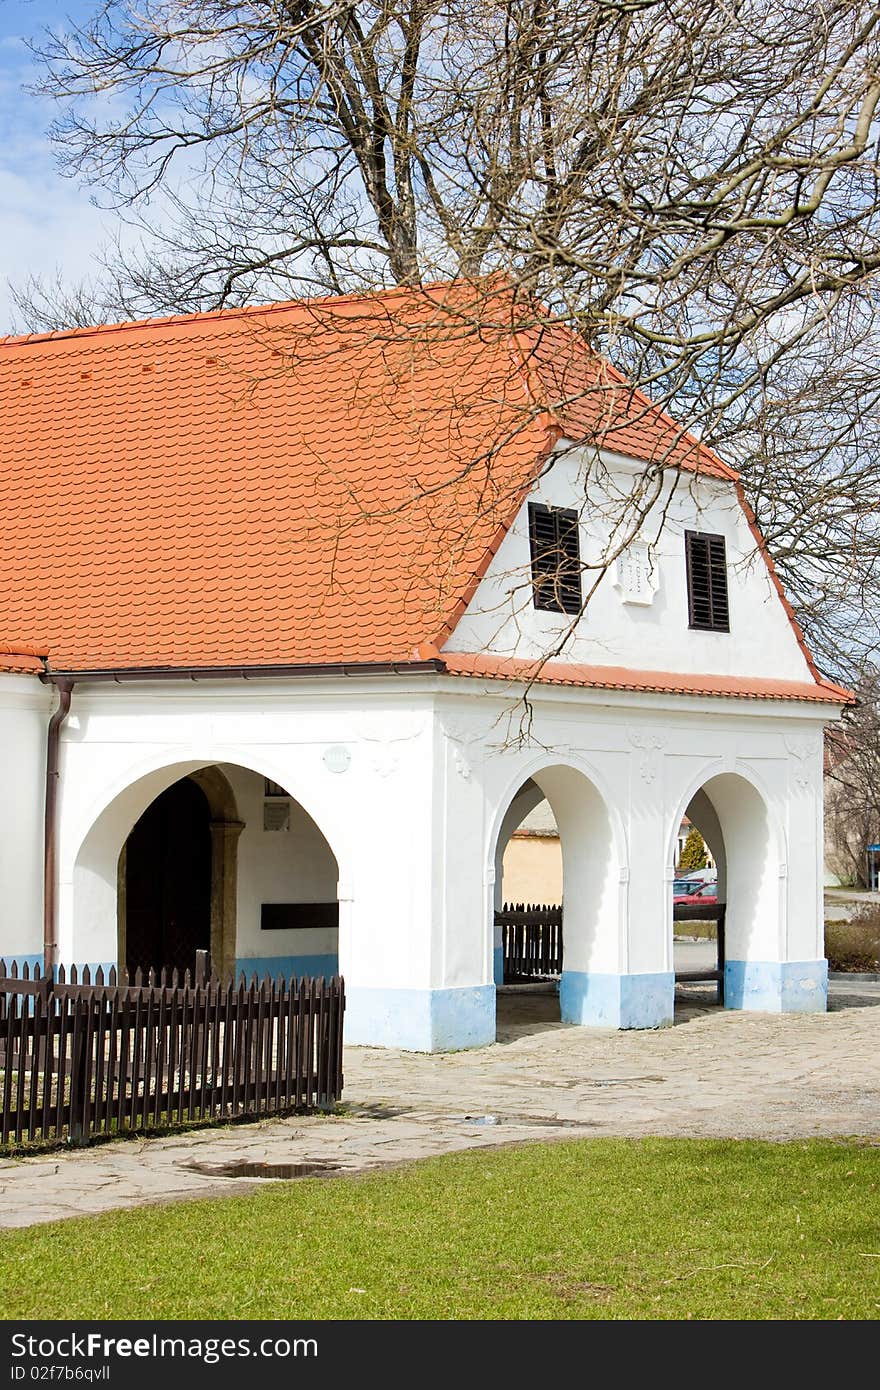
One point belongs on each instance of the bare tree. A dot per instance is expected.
(852, 781)
(691, 186)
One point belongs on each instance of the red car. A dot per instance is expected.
(703, 895)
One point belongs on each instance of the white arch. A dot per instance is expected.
(754, 858)
(89, 888)
(713, 768)
(593, 854)
(530, 771)
(164, 767)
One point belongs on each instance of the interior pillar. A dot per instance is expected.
(224, 894)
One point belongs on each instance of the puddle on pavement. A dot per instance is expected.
(539, 1121)
(242, 1168)
(363, 1110)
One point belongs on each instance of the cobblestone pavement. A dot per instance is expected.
(715, 1073)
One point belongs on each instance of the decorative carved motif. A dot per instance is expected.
(803, 751)
(651, 745)
(384, 762)
(462, 766)
(384, 753)
(462, 739)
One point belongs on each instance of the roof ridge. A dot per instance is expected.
(240, 311)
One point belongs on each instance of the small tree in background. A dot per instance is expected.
(693, 856)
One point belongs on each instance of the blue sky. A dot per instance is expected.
(47, 222)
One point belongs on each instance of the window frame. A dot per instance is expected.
(715, 550)
(552, 593)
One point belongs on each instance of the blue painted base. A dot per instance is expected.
(777, 987)
(94, 965)
(616, 1001)
(286, 966)
(498, 963)
(421, 1020)
(21, 960)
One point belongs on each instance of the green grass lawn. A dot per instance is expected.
(582, 1229)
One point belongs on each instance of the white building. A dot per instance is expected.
(278, 589)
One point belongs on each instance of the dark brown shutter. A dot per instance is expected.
(706, 561)
(556, 559)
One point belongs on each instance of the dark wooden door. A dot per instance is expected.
(168, 881)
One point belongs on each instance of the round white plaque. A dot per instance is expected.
(337, 758)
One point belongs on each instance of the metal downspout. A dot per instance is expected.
(50, 907)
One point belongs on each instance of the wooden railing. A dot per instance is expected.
(532, 939)
(87, 1054)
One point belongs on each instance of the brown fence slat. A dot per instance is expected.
(50, 1071)
(113, 1010)
(310, 1042)
(64, 1008)
(10, 1035)
(20, 1064)
(125, 1062)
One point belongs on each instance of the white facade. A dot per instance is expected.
(405, 788)
(615, 630)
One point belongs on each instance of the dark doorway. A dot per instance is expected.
(168, 881)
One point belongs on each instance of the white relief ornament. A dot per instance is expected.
(384, 753)
(802, 750)
(651, 746)
(636, 576)
(462, 766)
(463, 741)
(385, 762)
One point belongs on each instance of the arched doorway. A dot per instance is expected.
(251, 851)
(167, 881)
(591, 889)
(739, 900)
(528, 892)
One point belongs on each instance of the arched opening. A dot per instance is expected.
(528, 892)
(569, 854)
(216, 856)
(729, 912)
(177, 877)
(167, 891)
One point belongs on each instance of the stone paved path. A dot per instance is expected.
(715, 1073)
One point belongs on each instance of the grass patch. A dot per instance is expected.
(854, 945)
(580, 1229)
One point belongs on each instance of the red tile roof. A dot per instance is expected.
(21, 659)
(305, 483)
(655, 682)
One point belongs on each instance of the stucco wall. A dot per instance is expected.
(25, 707)
(502, 618)
(279, 866)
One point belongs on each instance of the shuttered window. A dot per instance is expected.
(707, 582)
(556, 558)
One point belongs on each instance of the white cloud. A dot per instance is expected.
(48, 223)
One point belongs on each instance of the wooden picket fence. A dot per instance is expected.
(83, 1055)
(532, 940)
